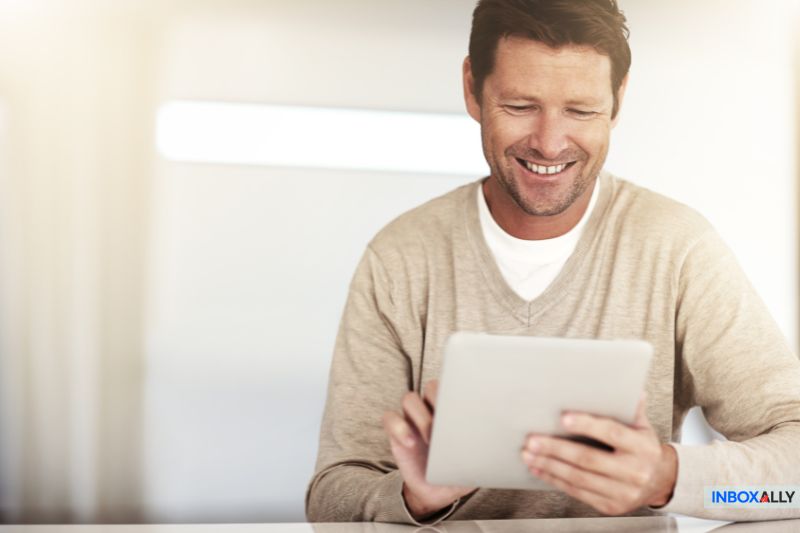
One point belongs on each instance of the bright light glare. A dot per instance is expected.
(251, 134)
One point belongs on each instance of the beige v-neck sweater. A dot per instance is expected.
(645, 267)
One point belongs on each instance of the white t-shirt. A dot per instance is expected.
(530, 266)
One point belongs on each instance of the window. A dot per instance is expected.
(285, 136)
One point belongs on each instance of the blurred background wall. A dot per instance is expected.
(166, 326)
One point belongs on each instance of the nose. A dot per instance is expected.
(549, 135)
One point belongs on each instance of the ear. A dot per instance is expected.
(471, 101)
(620, 97)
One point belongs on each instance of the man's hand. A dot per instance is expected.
(410, 434)
(639, 471)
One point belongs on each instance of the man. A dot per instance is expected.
(550, 245)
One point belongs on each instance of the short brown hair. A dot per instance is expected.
(596, 23)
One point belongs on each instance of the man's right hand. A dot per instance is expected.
(409, 435)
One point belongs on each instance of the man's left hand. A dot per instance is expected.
(639, 471)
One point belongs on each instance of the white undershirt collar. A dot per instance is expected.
(529, 266)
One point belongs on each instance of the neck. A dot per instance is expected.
(521, 225)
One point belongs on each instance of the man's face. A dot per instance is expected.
(545, 118)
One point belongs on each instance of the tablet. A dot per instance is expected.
(496, 389)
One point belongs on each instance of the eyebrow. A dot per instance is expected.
(517, 96)
(589, 101)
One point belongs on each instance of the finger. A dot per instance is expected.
(429, 393)
(609, 464)
(615, 434)
(398, 429)
(601, 503)
(574, 475)
(417, 413)
(580, 455)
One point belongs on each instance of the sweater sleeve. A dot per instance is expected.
(356, 478)
(735, 364)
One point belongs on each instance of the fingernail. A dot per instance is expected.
(533, 445)
(567, 420)
(527, 457)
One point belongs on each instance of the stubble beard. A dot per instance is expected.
(551, 202)
(546, 206)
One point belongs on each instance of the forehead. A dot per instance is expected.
(524, 67)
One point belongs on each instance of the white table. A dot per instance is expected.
(673, 524)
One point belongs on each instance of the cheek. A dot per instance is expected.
(502, 133)
(593, 141)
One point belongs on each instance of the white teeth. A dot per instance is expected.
(541, 169)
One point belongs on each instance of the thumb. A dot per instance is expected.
(429, 393)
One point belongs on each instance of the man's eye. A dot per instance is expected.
(518, 108)
(582, 113)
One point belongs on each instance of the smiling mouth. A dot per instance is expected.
(544, 170)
